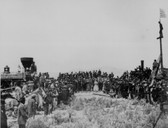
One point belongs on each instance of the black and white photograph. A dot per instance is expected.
(84, 63)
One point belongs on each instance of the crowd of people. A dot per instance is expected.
(134, 84)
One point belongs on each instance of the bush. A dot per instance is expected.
(103, 113)
(36, 123)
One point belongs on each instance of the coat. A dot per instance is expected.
(22, 115)
(3, 117)
(31, 107)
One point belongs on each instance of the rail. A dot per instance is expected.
(5, 89)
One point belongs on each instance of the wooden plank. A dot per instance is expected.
(101, 94)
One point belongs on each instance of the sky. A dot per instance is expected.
(73, 35)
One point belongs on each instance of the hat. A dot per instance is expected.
(33, 95)
(143, 81)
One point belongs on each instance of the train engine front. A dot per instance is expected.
(30, 68)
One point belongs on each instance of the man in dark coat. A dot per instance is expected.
(155, 64)
(47, 101)
(160, 31)
(31, 107)
(3, 114)
(22, 115)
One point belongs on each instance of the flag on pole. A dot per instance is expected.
(162, 13)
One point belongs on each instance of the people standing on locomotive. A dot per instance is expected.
(33, 69)
(25, 88)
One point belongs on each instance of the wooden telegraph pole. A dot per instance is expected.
(163, 105)
(162, 15)
(160, 38)
(161, 54)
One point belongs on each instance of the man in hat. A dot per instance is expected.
(22, 115)
(46, 102)
(155, 64)
(3, 113)
(160, 31)
(31, 107)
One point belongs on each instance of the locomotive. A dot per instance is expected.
(9, 80)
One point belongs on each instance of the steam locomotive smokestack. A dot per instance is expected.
(26, 62)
